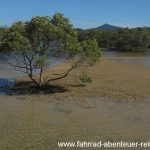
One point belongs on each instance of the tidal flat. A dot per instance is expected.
(114, 107)
(40, 122)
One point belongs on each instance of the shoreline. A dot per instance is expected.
(39, 121)
(111, 79)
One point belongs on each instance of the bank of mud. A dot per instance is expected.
(111, 79)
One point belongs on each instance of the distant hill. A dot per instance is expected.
(108, 27)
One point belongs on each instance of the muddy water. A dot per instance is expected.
(38, 123)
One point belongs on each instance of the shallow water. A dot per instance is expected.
(9, 74)
(142, 58)
(7, 71)
(38, 123)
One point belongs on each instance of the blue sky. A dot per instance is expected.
(82, 13)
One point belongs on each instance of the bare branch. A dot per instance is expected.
(11, 64)
(65, 74)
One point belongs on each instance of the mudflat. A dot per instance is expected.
(114, 107)
(111, 79)
(40, 122)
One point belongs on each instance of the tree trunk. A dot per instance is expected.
(41, 72)
(34, 81)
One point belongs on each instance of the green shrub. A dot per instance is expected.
(85, 78)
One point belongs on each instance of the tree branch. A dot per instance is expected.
(65, 74)
(13, 65)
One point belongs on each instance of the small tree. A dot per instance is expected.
(28, 46)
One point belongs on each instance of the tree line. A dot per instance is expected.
(136, 39)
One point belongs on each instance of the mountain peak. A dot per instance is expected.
(108, 27)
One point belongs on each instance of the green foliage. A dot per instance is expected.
(103, 38)
(133, 40)
(36, 41)
(90, 51)
(123, 39)
(85, 78)
(40, 61)
(2, 34)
